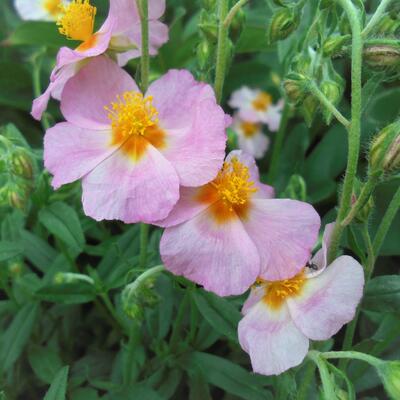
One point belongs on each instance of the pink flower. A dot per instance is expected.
(254, 105)
(120, 33)
(227, 233)
(281, 317)
(251, 138)
(132, 151)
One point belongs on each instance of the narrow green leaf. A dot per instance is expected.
(45, 363)
(68, 293)
(383, 294)
(9, 250)
(58, 388)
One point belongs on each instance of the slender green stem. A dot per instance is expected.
(176, 330)
(135, 285)
(130, 357)
(383, 41)
(278, 144)
(355, 126)
(110, 307)
(376, 17)
(304, 389)
(37, 89)
(386, 222)
(233, 11)
(326, 379)
(365, 194)
(354, 355)
(144, 239)
(221, 49)
(328, 105)
(144, 59)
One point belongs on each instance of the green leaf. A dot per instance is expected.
(229, 376)
(9, 250)
(84, 394)
(45, 363)
(199, 389)
(68, 293)
(218, 312)
(58, 387)
(383, 294)
(134, 392)
(63, 222)
(17, 335)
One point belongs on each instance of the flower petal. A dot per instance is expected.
(195, 126)
(71, 152)
(272, 340)
(156, 9)
(328, 301)
(257, 145)
(221, 257)
(95, 86)
(130, 190)
(284, 232)
(33, 10)
(272, 117)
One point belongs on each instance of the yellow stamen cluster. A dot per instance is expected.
(53, 7)
(233, 183)
(132, 114)
(77, 20)
(278, 291)
(249, 128)
(262, 101)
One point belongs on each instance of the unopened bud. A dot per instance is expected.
(385, 149)
(334, 45)
(333, 92)
(16, 199)
(309, 109)
(16, 268)
(364, 213)
(203, 54)
(389, 372)
(208, 25)
(296, 188)
(22, 164)
(295, 85)
(283, 23)
(70, 277)
(237, 24)
(382, 56)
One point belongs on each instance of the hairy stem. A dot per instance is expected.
(354, 355)
(233, 11)
(143, 8)
(326, 380)
(355, 126)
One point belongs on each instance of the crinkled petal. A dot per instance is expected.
(328, 301)
(121, 188)
(221, 257)
(284, 232)
(71, 152)
(272, 340)
(94, 87)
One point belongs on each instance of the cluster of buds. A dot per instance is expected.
(16, 168)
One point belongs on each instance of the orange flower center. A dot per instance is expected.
(276, 292)
(262, 101)
(53, 7)
(77, 20)
(249, 128)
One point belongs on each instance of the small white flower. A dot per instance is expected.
(251, 138)
(255, 105)
(39, 10)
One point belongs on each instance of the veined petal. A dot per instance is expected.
(71, 152)
(221, 257)
(284, 232)
(329, 300)
(272, 340)
(94, 87)
(131, 190)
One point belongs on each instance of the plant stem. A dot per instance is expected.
(355, 126)
(376, 17)
(362, 199)
(110, 307)
(326, 380)
(304, 389)
(278, 144)
(233, 11)
(221, 49)
(178, 322)
(386, 222)
(144, 59)
(130, 354)
(330, 107)
(144, 239)
(135, 285)
(355, 355)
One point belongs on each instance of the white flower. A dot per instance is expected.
(39, 10)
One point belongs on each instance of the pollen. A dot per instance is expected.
(132, 114)
(53, 7)
(278, 291)
(233, 183)
(77, 20)
(262, 101)
(249, 128)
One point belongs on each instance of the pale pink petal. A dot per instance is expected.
(158, 36)
(131, 191)
(272, 118)
(284, 232)
(257, 292)
(221, 257)
(94, 87)
(194, 124)
(272, 340)
(126, 14)
(71, 152)
(242, 97)
(328, 301)
(256, 145)
(251, 115)
(156, 9)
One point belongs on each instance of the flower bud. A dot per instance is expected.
(21, 164)
(16, 198)
(364, 213)
(237, 24)
(209, 26)
(295, 86)
(382, 56)
(389, 372)
(385, 149)
(333, 45)
(203, 54)
(309, 109)
(333, 92)
(296, 188)
(283, 23)
(15, 268)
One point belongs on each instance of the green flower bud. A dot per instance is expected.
(16, 268)
(237, 24)
(208, 25)
(384, 152)
(21, 164)
(296, 188)
(367, 208)
(333, 45)
(333, 92)
(295, 86)
(283, 23)
(16, 199)
(309, 109)
(70, 277)
(203, 54)
(389, 372)
(382, 56)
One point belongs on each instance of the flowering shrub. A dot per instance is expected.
(203, 203)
